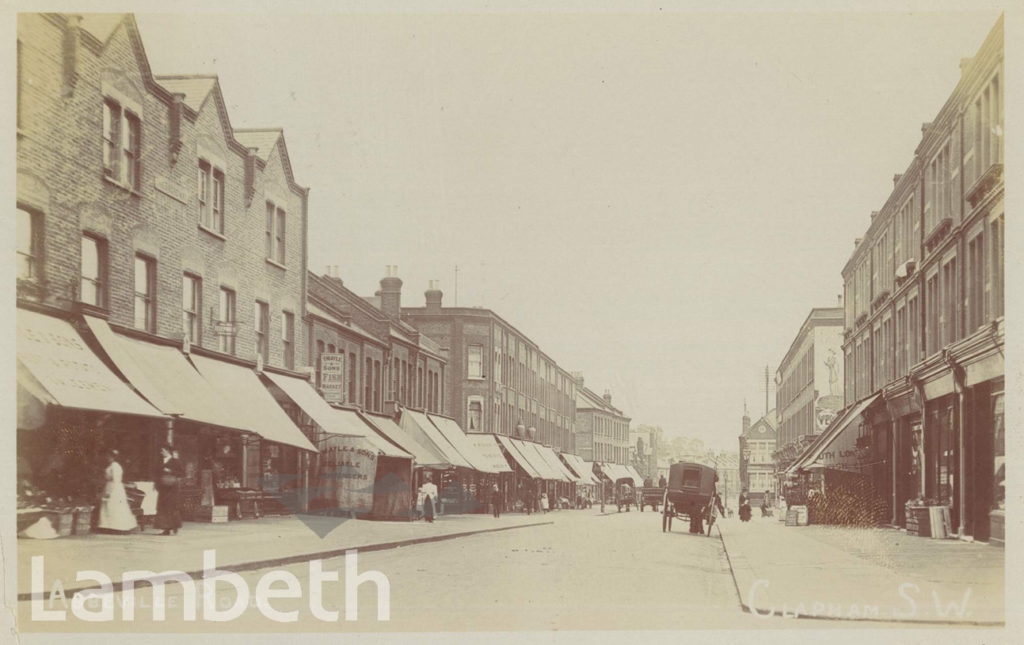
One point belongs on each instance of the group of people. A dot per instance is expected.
(115, 513)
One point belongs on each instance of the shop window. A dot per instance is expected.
(999, 450)
(145, 293)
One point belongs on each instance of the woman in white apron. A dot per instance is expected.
(115, 513)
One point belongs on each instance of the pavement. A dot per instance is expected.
(240, 545)
(866, 574)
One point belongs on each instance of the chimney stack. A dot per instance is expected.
(391, 293)
(433, 296)
(72, 36)
(578, 377)
(896, 179)
(608, 397)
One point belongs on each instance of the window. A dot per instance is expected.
(931, 303)
(261, 322)
(476, 410)
(29, 243)
(913, 331)
(377, 386)
(275, 233)
(319, 361)
(211, 197)
(288, 338)
(94, 265)
(475, 367)
(121, 144)
(996, 232)
(975, 282)
(145, 293)
(950, 303)
(226, 306)
(191, 305)
(367, 385)
(352, 385)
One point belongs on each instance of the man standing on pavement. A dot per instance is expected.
(496, 501)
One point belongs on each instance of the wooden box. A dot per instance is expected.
(919, 521)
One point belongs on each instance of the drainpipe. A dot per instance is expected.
(959, 376)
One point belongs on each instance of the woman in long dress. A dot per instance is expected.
(168, 515)
(115, 513)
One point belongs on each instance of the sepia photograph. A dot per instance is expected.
(571, 322)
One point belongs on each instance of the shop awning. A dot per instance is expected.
(486, 445)
(420, 426)
(519, 458)
(164, 376)
(70, 374)
(533, 453)
(811, 454)
(615, 472)
(454, 434)
(423, 452)
(332, 420)
(639, 481)
(583, 469)
(246, 398)
(556, 464)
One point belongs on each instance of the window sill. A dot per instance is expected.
(276, 264)
(212, 233)
(124, 187)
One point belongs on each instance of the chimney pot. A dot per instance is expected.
(433, 296)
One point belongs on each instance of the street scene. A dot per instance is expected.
(708, 339)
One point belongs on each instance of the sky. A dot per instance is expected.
(656, 199)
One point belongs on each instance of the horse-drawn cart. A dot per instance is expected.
(690, 494)
(651, 496)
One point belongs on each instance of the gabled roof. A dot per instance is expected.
(263, 139)
(101, 25)
(195, 87)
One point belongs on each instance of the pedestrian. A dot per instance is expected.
(496, 501)
(544, 502)
(168, 484)
(744, 502)
(115, 513)
(428, 491)
(661, 482)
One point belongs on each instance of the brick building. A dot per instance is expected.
(496, 379)
(387, 363)
(756, 463)
(602, 430)
(809, 380)
(924, 321)
(154, 235)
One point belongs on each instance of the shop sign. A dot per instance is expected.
(332, 377)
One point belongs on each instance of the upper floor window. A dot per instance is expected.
(996, 235)
(191, 306)
(29, 234)
(275, 233)
(145, 293)
(121, 135)
(226, 314)
(211, 197)
(94, 270)
(475, 414)
(475, 357)
(288, 338)
(261, 317)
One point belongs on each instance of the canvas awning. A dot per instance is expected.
(486, 445)
(65, 372)
(615, 472)
(332, 420)
(533, 454)
(244, 396)
(420, 427)
(637, 479)
(556, 464)
(454, 434)
(518, 457)
(423, 452)
(584, 470)
(846, 418)
(165, 377)
(589, 465)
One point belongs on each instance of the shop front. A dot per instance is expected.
(455, 485)
(528, 481)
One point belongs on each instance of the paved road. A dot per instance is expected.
(584, 571)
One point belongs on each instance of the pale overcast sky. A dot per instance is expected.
(656, 199)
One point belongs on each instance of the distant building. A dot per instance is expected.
(602, 430)
(809, 380)
(644, 442)
(757, 466)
